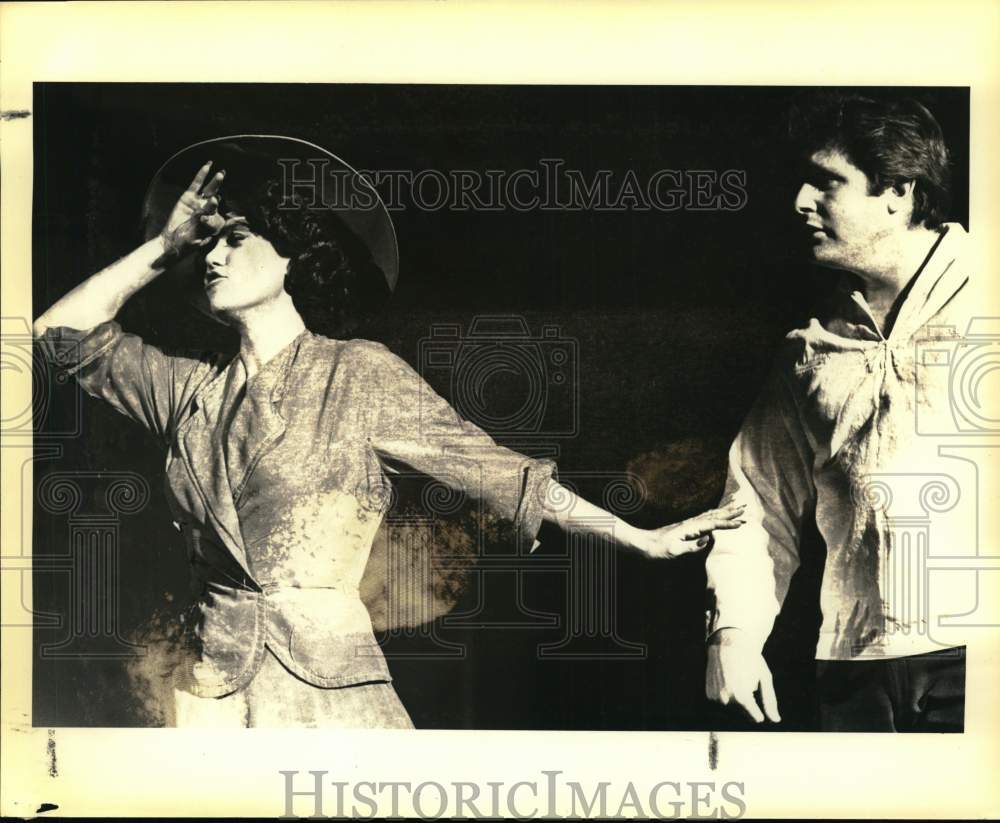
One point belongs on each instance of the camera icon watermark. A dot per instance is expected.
(968, 369)
(505, 379)
(34, 387)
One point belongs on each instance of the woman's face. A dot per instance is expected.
(243, 270)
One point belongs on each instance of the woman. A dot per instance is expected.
(277, 458)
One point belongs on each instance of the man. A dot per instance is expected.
(835, 427)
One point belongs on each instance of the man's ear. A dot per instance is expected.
(899, 196)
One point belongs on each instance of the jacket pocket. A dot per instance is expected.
(324, 636)
(228, 642)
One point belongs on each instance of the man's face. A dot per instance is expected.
(844, 221)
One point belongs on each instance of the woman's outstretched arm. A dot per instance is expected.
(570, 511)
(412, 424)
(193, 222)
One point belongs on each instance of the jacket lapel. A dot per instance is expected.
(201, 450)
(202, 447)
(266, 425)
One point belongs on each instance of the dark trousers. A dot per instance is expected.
(920, 693)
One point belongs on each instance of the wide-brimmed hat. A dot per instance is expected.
(316, 176)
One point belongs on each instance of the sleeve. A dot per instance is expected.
(770, 469)
(135, 378)
(412, 424)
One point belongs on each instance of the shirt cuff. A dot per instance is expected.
(755, 628)
(531, 507)
(72, 349)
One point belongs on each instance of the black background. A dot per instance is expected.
(675, 315)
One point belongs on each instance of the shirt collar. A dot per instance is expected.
(937, 281)
(271, 377)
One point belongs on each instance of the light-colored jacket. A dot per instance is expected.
(279, 520)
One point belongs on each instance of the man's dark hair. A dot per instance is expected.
(332, 279)
(891, 140)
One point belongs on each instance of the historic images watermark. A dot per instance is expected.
(550, 186)
(939, 518)
(538, 371)
(541, 370)
(967, 364)
(547, 796)
(520, 384)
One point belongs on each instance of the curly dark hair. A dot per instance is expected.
(892, 140)
(332, 279)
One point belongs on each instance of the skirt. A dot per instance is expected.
(277, 698)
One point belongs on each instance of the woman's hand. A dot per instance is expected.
(195, 219)
(693, 534)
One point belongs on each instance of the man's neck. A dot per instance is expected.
(893, 265)
(265, 330)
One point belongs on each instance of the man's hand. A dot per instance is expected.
(735, 672)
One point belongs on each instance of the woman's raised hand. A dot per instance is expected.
(195, 219)
(693, 534)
